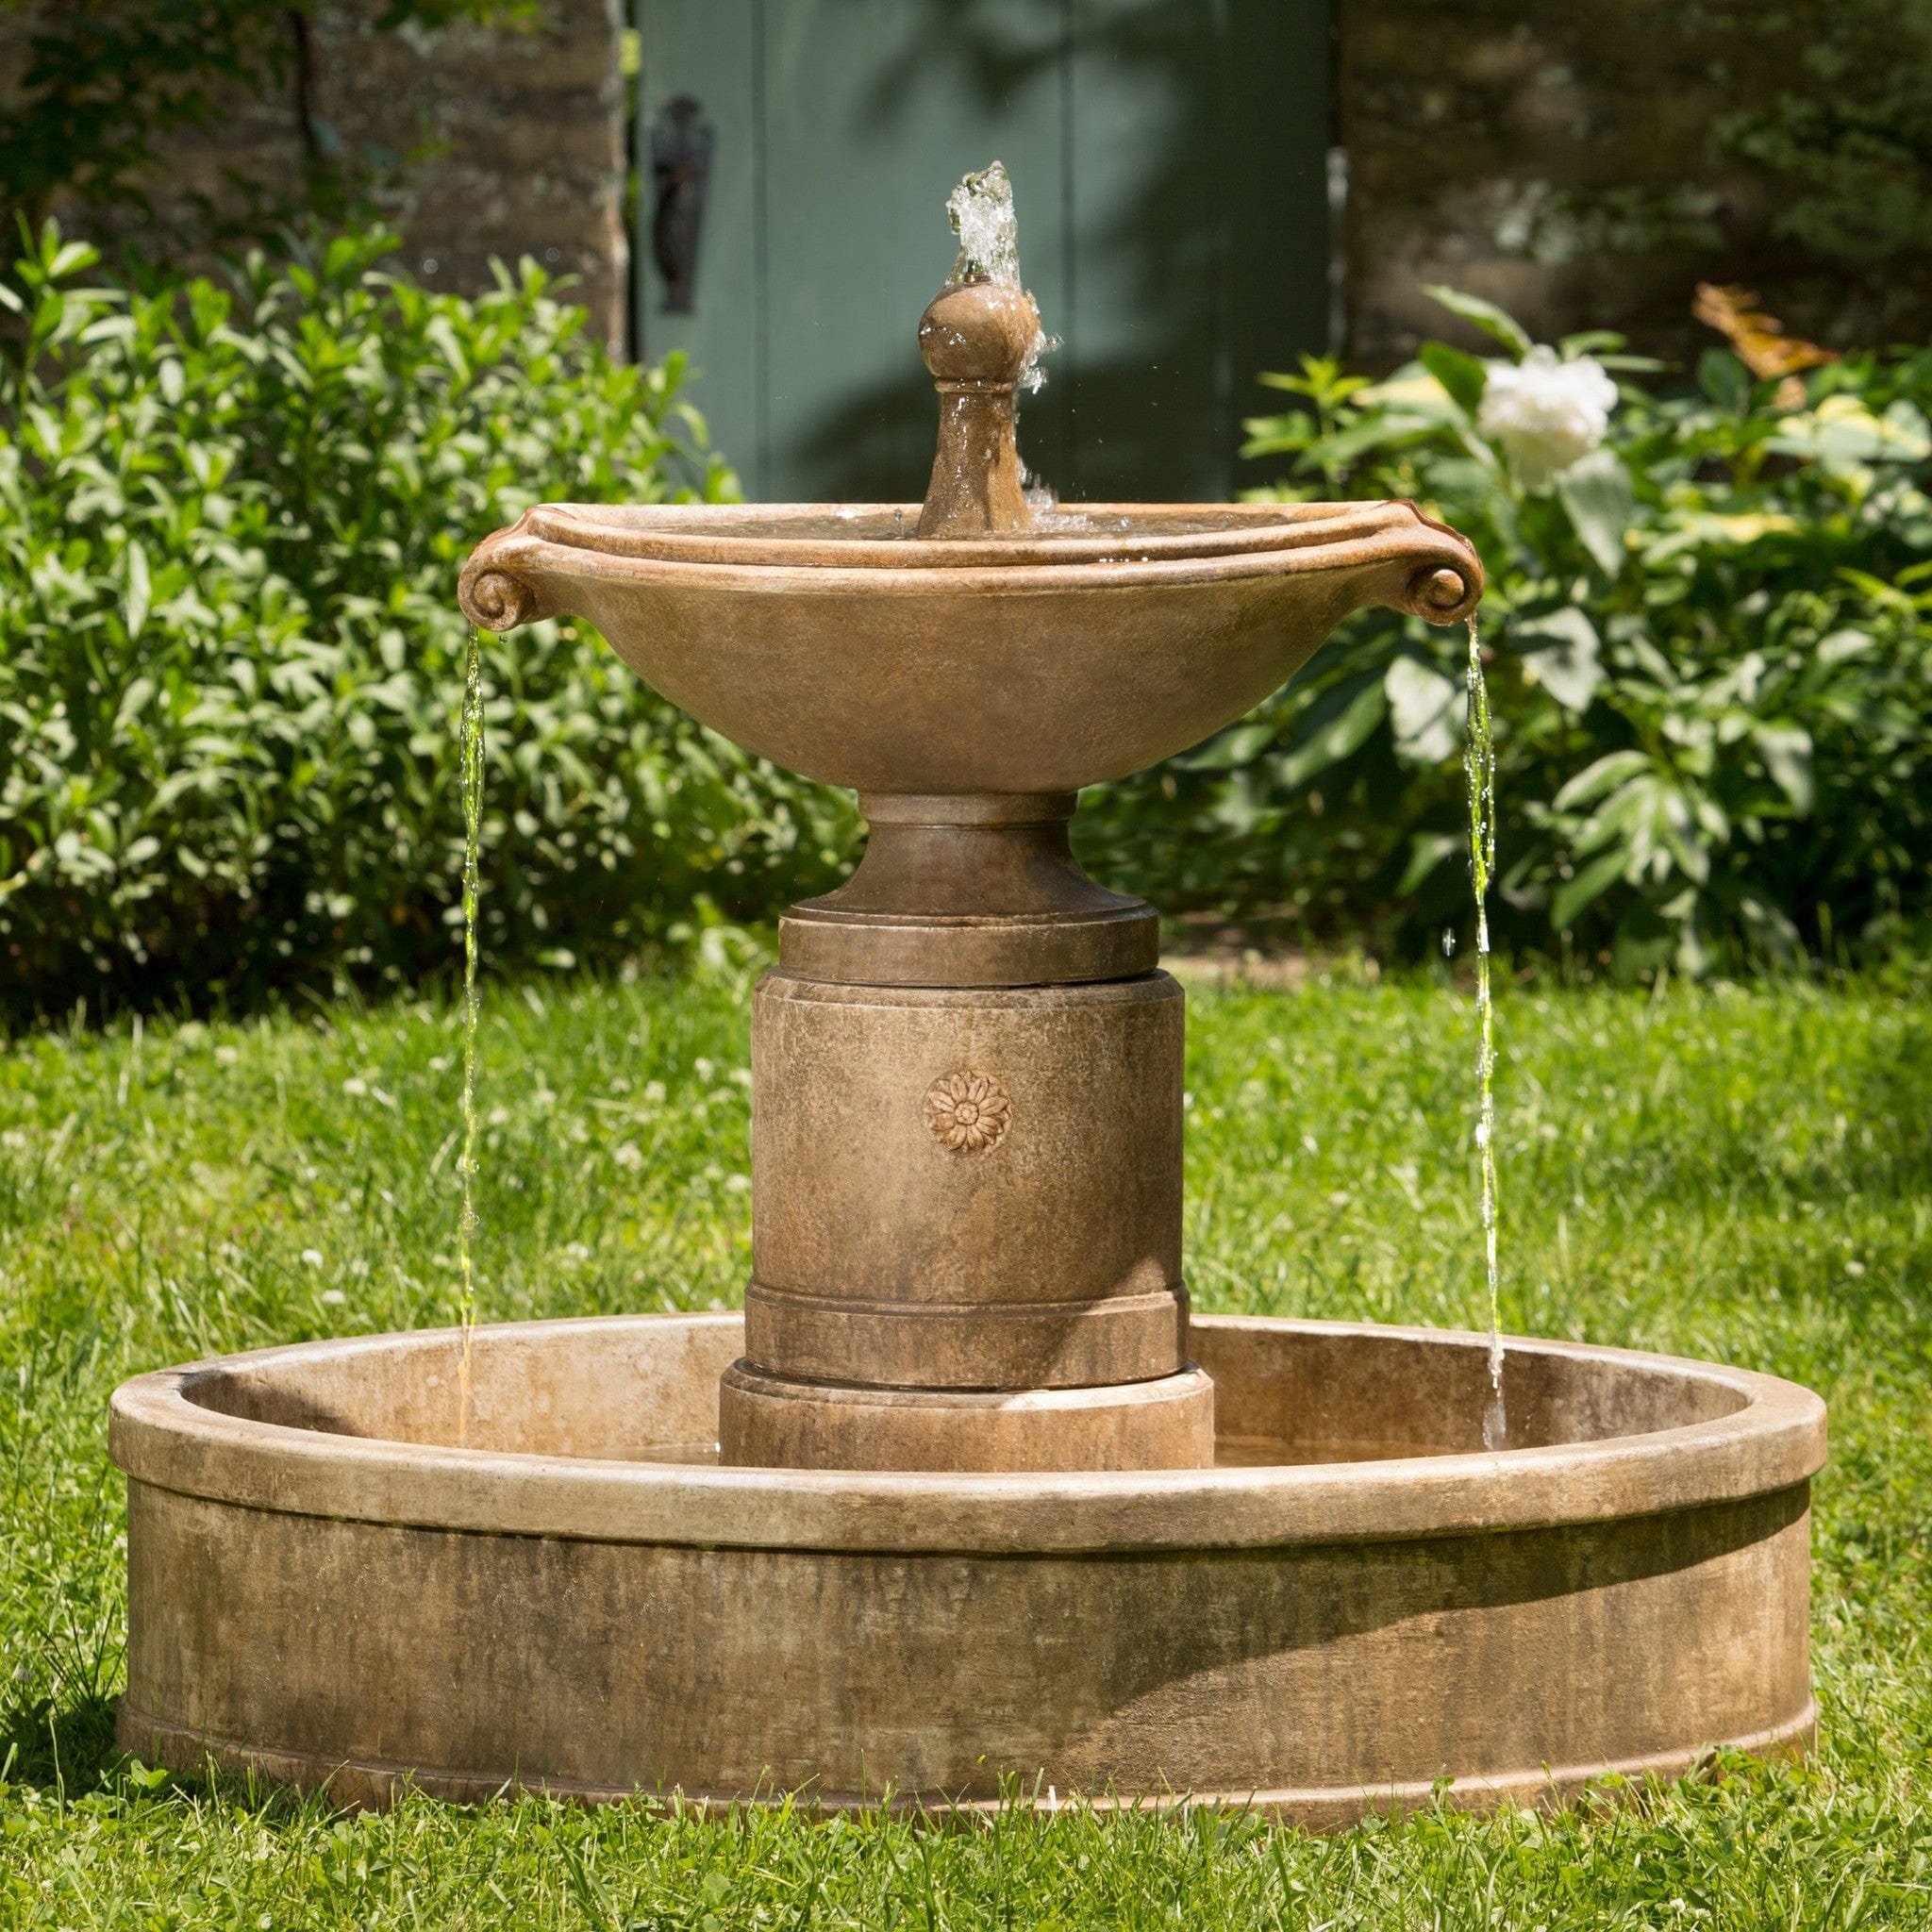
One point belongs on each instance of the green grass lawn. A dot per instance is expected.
(1744, 1174)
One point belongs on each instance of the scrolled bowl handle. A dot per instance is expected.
(496, 599)
(1443, 592)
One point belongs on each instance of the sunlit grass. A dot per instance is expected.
(1745, 1175)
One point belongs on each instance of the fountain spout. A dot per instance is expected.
(980, 337)
(977, 337)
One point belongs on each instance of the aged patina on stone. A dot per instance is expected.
(323, 1588)
(988, 1502)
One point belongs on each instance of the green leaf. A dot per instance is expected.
(1602, 501)
(1461, 374)
(1589, 341)
(1605, 774)
(1843, 646)
(1426, 851)
(134, 700)
(1423, 711)
(1233, 748)
(1785, 750)
(1724, 380)
(1483, 315)
(1381, 430)
(1562, 653)
(1578, 895)
(1344, 732)
(71, 257)
(134, 602)
(1843, 435)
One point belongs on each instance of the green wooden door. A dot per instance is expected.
(1168, 159)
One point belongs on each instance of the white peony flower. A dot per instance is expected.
(1545, 412)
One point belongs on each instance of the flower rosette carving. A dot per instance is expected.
(968, 1114)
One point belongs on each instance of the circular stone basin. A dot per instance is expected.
(334, 1580)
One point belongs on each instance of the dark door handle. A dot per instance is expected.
(681, 146)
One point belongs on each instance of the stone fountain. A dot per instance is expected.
(966, 1491)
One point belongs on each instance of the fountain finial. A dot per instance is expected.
(978, 336)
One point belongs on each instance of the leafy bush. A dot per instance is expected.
(232, 660)
(1710, 651)
(230, 657)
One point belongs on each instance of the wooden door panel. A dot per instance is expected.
(862, 155)
(709, 50)
(1167, 164)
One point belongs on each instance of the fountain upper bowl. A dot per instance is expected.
(833, 641)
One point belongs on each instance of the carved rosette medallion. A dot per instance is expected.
(968, 1114)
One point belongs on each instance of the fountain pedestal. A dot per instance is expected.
(966, 1078)
(966, 1141)
(966, 1161)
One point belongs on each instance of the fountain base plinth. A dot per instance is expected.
(1075, 1344)
(774, 1421)
(971, 1194)
(965, 1197)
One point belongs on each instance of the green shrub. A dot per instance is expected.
(230, 654)
(1709, 645)
(231, 525)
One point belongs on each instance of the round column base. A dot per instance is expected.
(774, 1421)
(1012, 1345)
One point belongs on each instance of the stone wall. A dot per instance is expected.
(1560, 157)
(1564, 159)
(528, 133)
(511, 143)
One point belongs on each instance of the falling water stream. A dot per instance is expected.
(470, 775)
(1479, 769)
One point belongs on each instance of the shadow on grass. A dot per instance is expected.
(67, 1747)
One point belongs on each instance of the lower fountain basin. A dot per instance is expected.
(1359, 1601)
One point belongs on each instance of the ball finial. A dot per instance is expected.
(979, 337)
(981, 332)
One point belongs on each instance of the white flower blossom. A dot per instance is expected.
(1545, 412)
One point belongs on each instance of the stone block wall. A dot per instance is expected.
(1562, 158)
(527, 139)
(513, 144)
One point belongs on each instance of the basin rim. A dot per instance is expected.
(559, 542)
(1773, 1440)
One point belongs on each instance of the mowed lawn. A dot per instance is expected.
(1737, 1173)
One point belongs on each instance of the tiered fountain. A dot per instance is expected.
(965, 1491)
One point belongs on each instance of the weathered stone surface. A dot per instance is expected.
(966, 1147)
(776, 1421)
(893, 1245)
(513, 140)
(1015, 665)
(1561, 160)
(527, 139)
